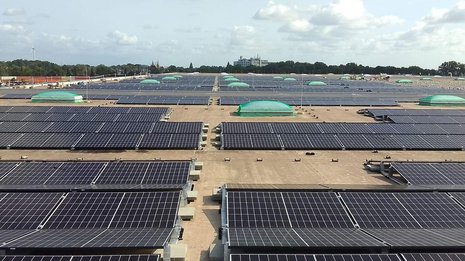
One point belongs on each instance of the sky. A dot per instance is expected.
(213, 32)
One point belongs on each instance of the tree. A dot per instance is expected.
(191, 67)
(451, 67)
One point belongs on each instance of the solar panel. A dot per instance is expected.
(257, 127)
(81, 258)
(236, 141)
(9, 235)
(114, 127)
(61, 141)
(31, 173)
(378, 210)
(33, 127)
(434, 257)
(14, 116)
(155, 141)
(332, 128)
(381, 141)
(308, 257)
(283, 127)
(123, 141)
(123, 173)
(440, 142)
(138, 127)
(265, 141)
(132, 238)
(412, 142)
(184, 141)
(93, 141)
(167, 173)
(75, 173)
(315, 210)
(31, 140)
(286, 209)
(11, 126)
(301, 237)
(87, 127)
(63, 127)
(6, 139)
(354, 141)
(324, 141)
(420, 173)
(5, 167)
(366, 257)
(295, 141)
(26, 210)
(433, 210)
(416, 238)
(146, 210)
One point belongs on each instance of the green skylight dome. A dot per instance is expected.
(264, 109)
(169, 78)
(278, 78)
(57, 96)
(238, 84)
(316, 83)
(442, 100)
(290, 79)
(426, 79)
(232, 79)
(404, 81)
(150, 81)
(228, 76)
(345, 78)
(460, 79)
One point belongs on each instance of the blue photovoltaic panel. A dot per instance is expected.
(26, 210)
(85, 210)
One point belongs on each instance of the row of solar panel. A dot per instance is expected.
(82, 258)
(87, 219)
(91, 141)
(83, 109)
(24, 175)
(306, 101)
(164, 86)
(346, 257)
(84, 117)
(259, 209)
(342, 141)
(415, 112)
(166, 100)
(338, 128)
(101, 127)
(428, 119)
(345, 221)
(431, 173)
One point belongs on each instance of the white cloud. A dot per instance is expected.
(275, 11)
(123, 38)
(244, 36)
(11, 28)
(14, 12)
(443, 16)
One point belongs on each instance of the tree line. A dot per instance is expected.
(45, 68)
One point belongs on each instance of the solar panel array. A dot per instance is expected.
(431, 173)
(169, 100)
(380, 113)
(349, 257)
(115, 175)
(88, 128)
(186, 82)
(82, 258)
(311, 101)
(428, 119)
(266, 220)
(337, 136)
(87, 219)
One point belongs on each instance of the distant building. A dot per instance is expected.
(255, 61)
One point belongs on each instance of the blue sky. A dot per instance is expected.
(375, 32)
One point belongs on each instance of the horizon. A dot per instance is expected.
(204, 32)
